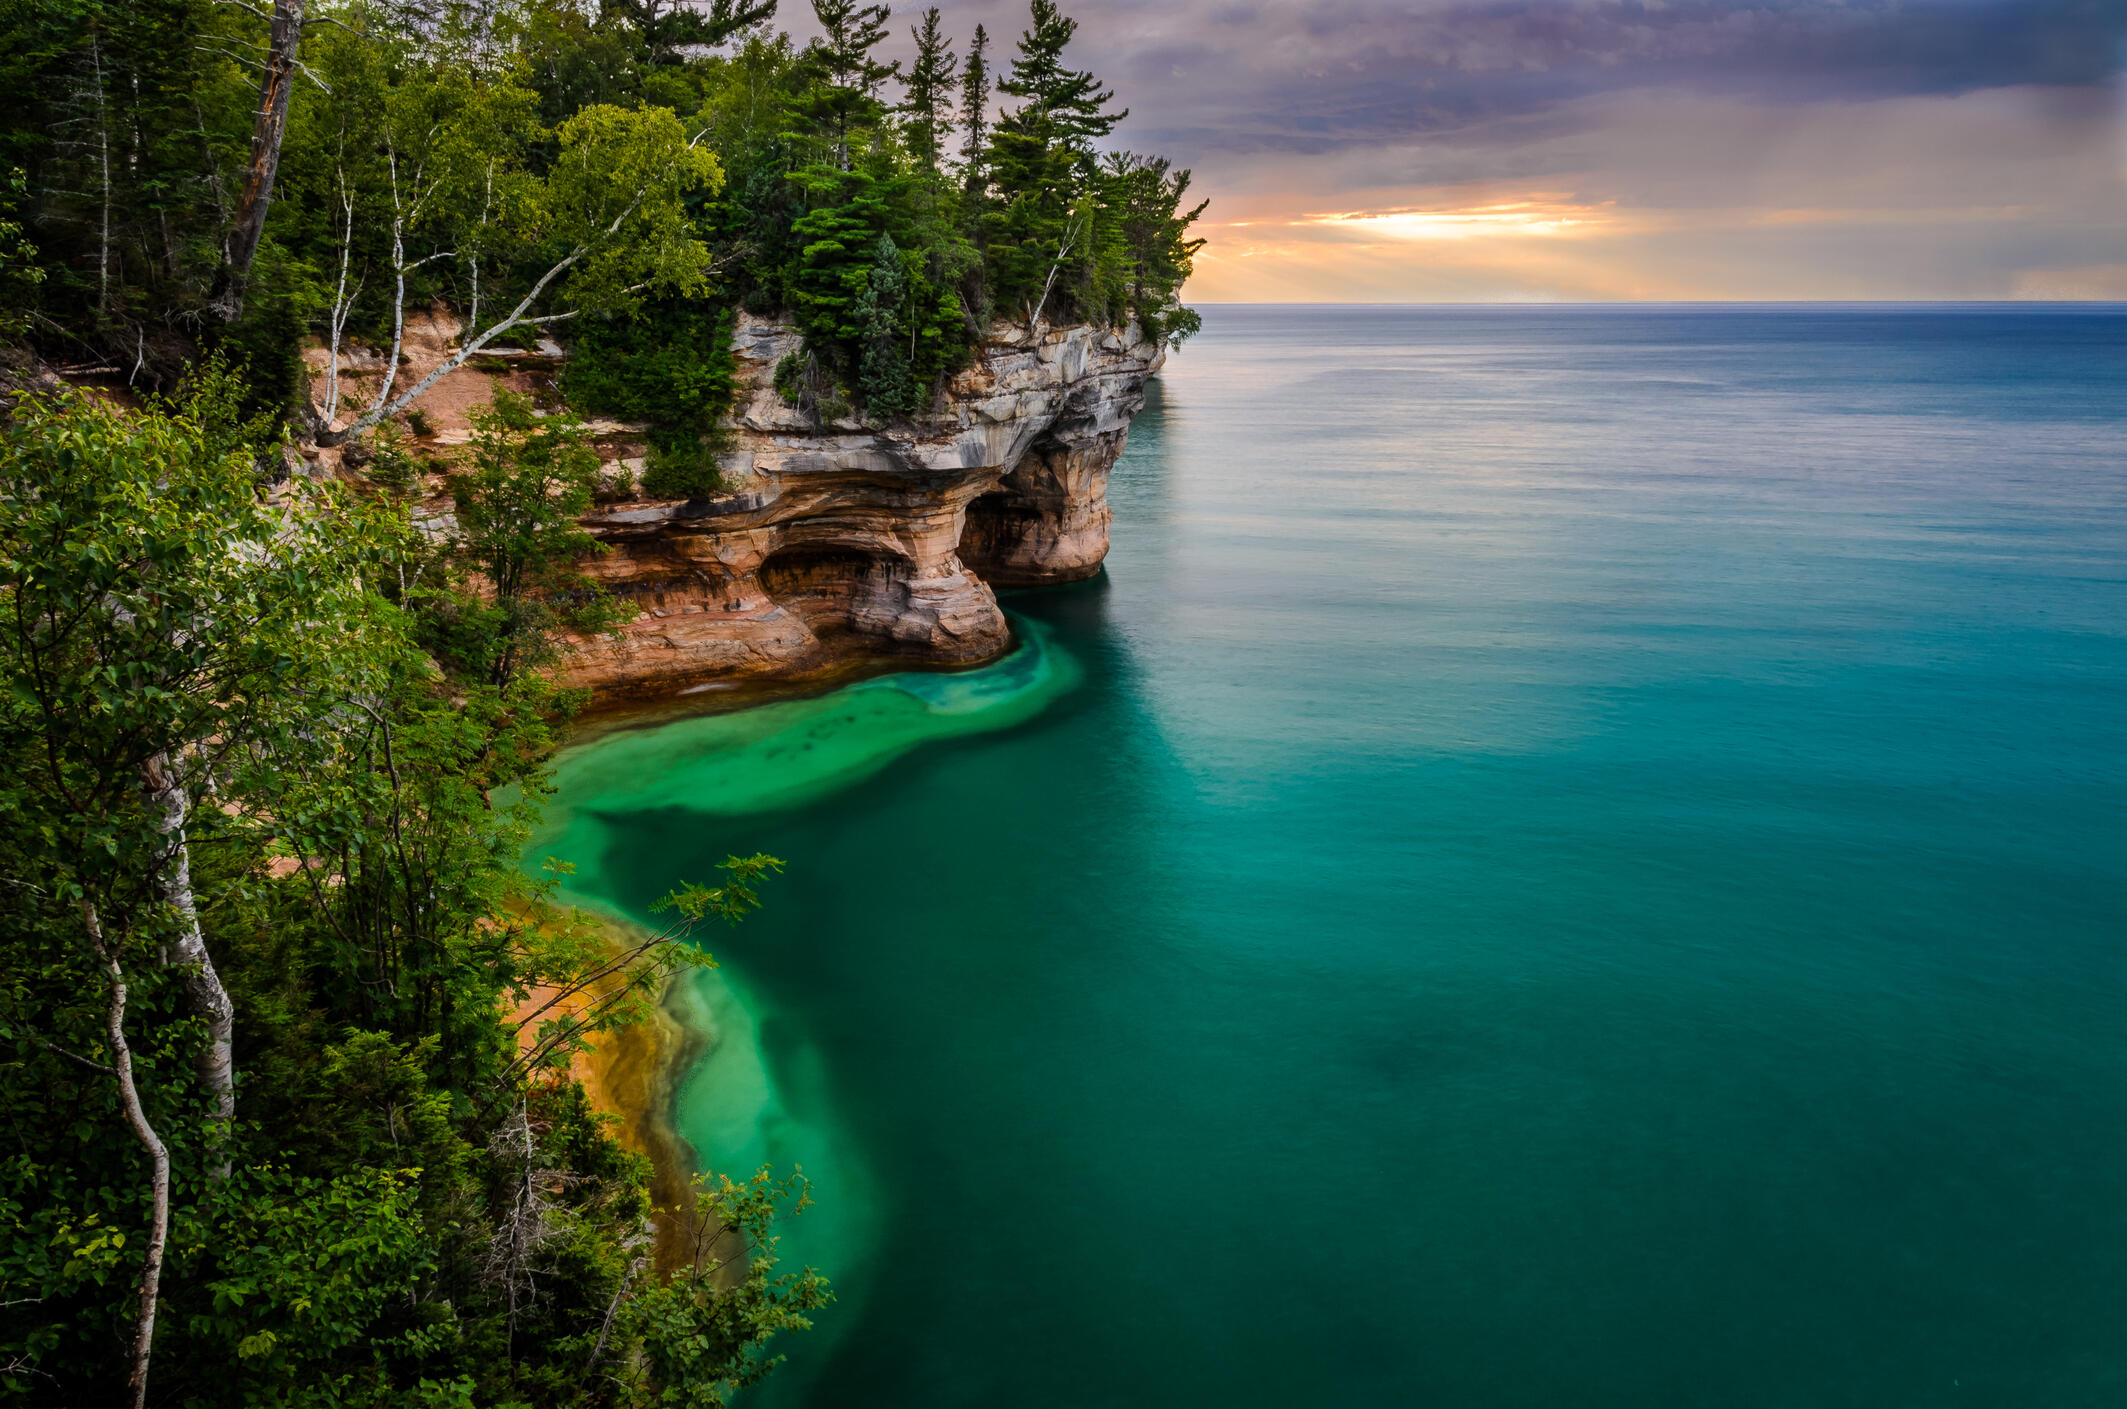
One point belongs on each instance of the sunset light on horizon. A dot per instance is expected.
(1364, 151)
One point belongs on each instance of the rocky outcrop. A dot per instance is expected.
(841, 542)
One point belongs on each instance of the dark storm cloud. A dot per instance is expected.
(1256, 75)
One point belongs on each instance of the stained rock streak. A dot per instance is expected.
(842, 541)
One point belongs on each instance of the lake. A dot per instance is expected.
(1574, 856)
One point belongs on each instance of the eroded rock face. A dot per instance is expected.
(843, 541)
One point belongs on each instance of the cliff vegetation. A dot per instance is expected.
(289, 1044)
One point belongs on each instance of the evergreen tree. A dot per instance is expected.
(883, 376)
(928, 105)
(849, 32)
(975, 111)
(837, 243)
(1145, 196)
(126, 122)
(1069, 102)
(665, 28)
(849, 94)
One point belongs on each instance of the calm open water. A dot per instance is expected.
(1576, 857)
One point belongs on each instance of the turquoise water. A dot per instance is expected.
(1575, 857)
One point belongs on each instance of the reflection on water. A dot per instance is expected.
(1583, 868)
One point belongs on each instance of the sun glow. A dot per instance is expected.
(1469, 222)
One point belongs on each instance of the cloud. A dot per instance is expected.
(1417, 149)
(1219, 76)
(1539, 217)
(1996, 194)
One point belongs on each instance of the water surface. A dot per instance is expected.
(1575, 857)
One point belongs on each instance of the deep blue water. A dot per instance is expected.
(1585, 864)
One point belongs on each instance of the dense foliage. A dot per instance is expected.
(284, 1085)
(286, 1106)
(623, 176)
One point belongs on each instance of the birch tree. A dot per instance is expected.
(601, 227)
(162, 630)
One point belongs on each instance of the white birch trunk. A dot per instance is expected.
(150, 1291)
(188, 955)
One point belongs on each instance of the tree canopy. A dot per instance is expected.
(285, 1030)
(285, 1027)
(549, 168)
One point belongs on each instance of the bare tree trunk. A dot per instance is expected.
(158, 1156)
(382, 408)
(487, 203)
(398, 302)
(605, 1327)
(268, 123)
(386, 404)
(403, 215)
(1055, 267)
(342, 305)
(204, 993)
(103, 156)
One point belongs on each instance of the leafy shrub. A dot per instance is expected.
(388, 463)
(790, 378)
(684, 472)
(669, 367)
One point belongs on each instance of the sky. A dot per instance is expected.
(1587, 150)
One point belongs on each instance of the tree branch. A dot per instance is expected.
(58, 1051)
(158, 1156)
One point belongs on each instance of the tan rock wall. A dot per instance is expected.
(843, 541)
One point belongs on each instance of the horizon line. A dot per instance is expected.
(1664, 303)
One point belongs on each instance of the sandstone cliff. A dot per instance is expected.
(842, 542)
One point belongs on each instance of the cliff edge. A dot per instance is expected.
(841, 542)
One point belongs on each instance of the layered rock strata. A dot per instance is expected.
(841, 541)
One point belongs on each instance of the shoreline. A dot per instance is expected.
(630, 1075)
(636, 1071)
(616, 712)
(637, 1074)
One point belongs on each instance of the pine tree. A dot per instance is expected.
(664, 28)
(849, 33)
(975, 109)
(1071, 102)
(928, 105)
(883, 375)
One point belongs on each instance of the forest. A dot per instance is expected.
(198, 175)
(287, 1114)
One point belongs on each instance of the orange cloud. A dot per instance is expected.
(1996, 194)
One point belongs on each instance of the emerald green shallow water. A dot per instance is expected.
(1574, 857)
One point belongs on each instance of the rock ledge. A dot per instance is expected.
(843, 542)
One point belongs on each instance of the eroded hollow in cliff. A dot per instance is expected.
(994, 533)
(830, 587)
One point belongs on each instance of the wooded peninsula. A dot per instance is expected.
(290, 1106)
